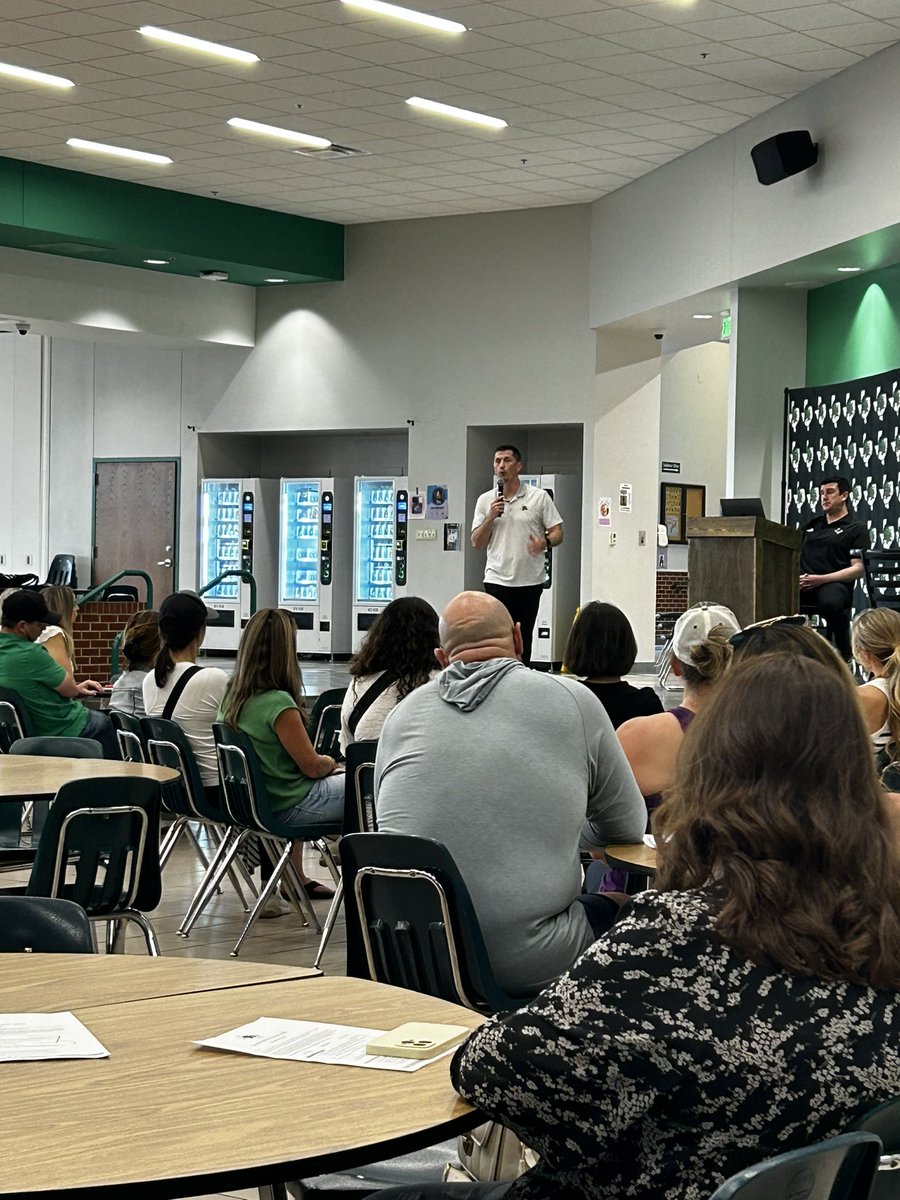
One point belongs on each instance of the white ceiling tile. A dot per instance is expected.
(814, 16)
(13, 10)
(729, 29)
(679, 14)
(776, 46)
(612, 20)
(828, 58)
(857, 34)
(884, 10)
(752, 106)
(585, 49)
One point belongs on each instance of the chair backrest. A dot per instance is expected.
(15, 723)
(37, 924)
(120, 591)
(168, 746)
(240, 777)
(58, 747)
(411, 921)
(129, 735)
(108, 828)
(884, 1120)
(324, 723)
(882, 574)
(359, 788)
(62, 571)
(842, 1168)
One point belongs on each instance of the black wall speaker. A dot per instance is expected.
(784, 154)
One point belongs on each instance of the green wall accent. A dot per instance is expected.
(853, 327)
(54, 211)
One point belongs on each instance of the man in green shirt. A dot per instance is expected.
(49, 692)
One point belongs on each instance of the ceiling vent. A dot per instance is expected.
(214, 276)
(332, 151)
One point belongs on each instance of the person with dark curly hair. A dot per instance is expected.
(396, 658)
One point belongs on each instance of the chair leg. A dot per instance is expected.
(281, 867)
(146, 928)
(173, 833)
(330, 920)
(219, 864)
(324, 848)
(115, 936)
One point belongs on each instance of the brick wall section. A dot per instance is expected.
(671, 596)
(98, 623)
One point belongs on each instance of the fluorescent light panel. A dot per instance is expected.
(15, 72)
(459, 114)
(117, 151)
(849, 270)
(407, 14)
(703, 316)
(198, 44)
(287, 135)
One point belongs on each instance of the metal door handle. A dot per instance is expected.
(166, 562)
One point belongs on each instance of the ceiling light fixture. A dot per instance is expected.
(849, 270)
(703, 316)
(199, 44)
(459, 114)
(407, 14)
(287, 135)
(117, 151)
(157, 262)
(274, 281)
(35, 76)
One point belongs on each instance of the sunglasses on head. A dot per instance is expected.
(744, 635)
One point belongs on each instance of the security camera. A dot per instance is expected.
(23, 327)
(658, 334)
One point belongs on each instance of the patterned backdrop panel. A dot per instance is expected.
(850, 429)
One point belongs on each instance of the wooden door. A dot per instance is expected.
(135, 506)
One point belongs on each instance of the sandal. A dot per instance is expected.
(318, 891)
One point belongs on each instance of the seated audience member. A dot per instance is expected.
(792, 636)
(264, 700)
(875, 637)
(700, 655)
(512, 770)
(49, 692)
(396, 657)
(602, 648)
(747, 1005)
(140, 646)
(181, 691)
(59, 640)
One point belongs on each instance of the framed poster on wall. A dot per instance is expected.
(677, 502)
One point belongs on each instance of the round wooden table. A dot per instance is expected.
(161, 1118)
(32, 775)
(636, 858)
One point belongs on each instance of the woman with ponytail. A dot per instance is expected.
(875, 637)
(140, 646)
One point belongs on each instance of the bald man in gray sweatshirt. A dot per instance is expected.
(513, 771)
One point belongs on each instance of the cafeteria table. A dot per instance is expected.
(31, 775)
(161, 1118)
(635, 858)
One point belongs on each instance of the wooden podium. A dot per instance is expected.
(750, 565)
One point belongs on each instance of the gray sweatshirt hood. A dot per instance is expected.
(469, 684)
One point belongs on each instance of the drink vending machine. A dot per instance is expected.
(314, 562)
(237, 532)
(560, 598)
(381, 512)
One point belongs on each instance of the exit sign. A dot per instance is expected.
(726, 328)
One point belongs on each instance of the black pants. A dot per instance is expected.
(522, 605)
(447, 1191)
(833, 602)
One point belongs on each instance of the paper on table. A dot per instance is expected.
(311, 1041)
(34, 1037)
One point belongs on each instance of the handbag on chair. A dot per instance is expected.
(491, 1153)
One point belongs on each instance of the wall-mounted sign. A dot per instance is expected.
(671, 468)
(624, 497)
(604, 510)
(726, 327)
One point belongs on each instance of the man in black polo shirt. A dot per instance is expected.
(831, 561)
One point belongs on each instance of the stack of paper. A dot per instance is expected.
(34, 1037)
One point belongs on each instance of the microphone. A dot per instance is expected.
(499, 495)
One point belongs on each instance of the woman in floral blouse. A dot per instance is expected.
(746, 1007)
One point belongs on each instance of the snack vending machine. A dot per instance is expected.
(381, 512)
(314, 562)
(237, 532)
(562, 571)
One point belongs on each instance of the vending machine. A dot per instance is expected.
(381, 512)
(238, 531)
(562, 572)
(314, 562)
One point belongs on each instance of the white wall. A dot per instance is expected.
(703, 220)
(21, 492)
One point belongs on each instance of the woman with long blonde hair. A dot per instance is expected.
(875, 638)
(59, 640)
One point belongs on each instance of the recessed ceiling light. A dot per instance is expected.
(157, 262)
(460, 114)
(199, 44)
(35, 76)
(287, 135)
(117, 151)
(274, 281)
(703, 316)
(407, 14)
(849, 270)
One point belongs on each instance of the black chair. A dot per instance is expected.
(120, 591)
(129, 736)
(15, 723)
(324, 724)
(58, 747)
(840, 1169)
(168, 746)
(359, 817)
(34, 924)
(107, 830)
(246, 799)
(411, 921)
(62, 572)
(884, 1120)
(882, 575)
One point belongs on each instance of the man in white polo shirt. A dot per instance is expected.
(517, 524)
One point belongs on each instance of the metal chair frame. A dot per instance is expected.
(794, 1172)
(131, 744)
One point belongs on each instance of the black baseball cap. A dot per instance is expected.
(183, 614)
(26, 605)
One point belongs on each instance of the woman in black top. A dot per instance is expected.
(602, 648)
